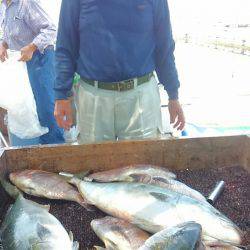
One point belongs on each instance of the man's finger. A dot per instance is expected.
(67, 124)
(2, 57)
(173, 117)
(182, 122)
(181, 127)
(177, 123)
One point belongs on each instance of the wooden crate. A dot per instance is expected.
(192, 153)
(179, 154)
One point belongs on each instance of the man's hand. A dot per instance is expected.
(3, 53)
(27, 52)
(63, 114)
(176, 114)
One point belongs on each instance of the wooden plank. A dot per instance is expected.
(3, 195)
(175, 154)
(247, 154)
(2, 161)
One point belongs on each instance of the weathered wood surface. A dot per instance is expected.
(2, 161)
(190, 153)
(3, 128)
(247, 154)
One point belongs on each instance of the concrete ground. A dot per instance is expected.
(215, 90)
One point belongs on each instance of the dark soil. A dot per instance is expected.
(234, 202)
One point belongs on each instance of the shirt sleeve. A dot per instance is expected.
(39, 22)
(67, 48)
(2, 15)
(164, 51)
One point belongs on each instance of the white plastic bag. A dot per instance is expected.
(16, 96)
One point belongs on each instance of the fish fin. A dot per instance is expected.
(144, 178)
(76, 181)
(110, 245)
(42, 231)
(82, 175)
(71, 236)
(147, 179)
(10, 189)
(41, 245)
(87, 206)
(160, 196)
(66, 176)
(75, 245)
(99, 248)
(46, 207)
(69, 176)
(160, 179)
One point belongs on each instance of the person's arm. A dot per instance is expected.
(164, 52)
(67, 53)
(67, 48)
(165, 61)
(3, 45)
(39, 22)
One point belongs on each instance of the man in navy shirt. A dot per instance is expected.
(115, 46)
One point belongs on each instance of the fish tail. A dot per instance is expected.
(70, 178)
(81, 201)
(82, 174)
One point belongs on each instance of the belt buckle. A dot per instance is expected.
(119, 86)
(126, 85)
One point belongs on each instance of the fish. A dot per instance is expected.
(148, 175)
(153, 208)
(182, 236)
(29, 225)
(118, 234)
(129, 173)
(45, 184)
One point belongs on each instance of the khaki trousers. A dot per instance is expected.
(106, 115)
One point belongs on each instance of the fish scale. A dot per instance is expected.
(29, 225)
(135, 203)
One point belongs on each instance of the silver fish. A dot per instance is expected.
(45, 184)
(148, 175)
(129, 173)
(28, 225)
(118, 234)
(154, 208)
(183, 236)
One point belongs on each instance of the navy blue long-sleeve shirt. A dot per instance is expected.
(114, 40)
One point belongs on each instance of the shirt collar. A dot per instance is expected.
(5, 1)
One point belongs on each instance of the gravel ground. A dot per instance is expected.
(234, 202)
